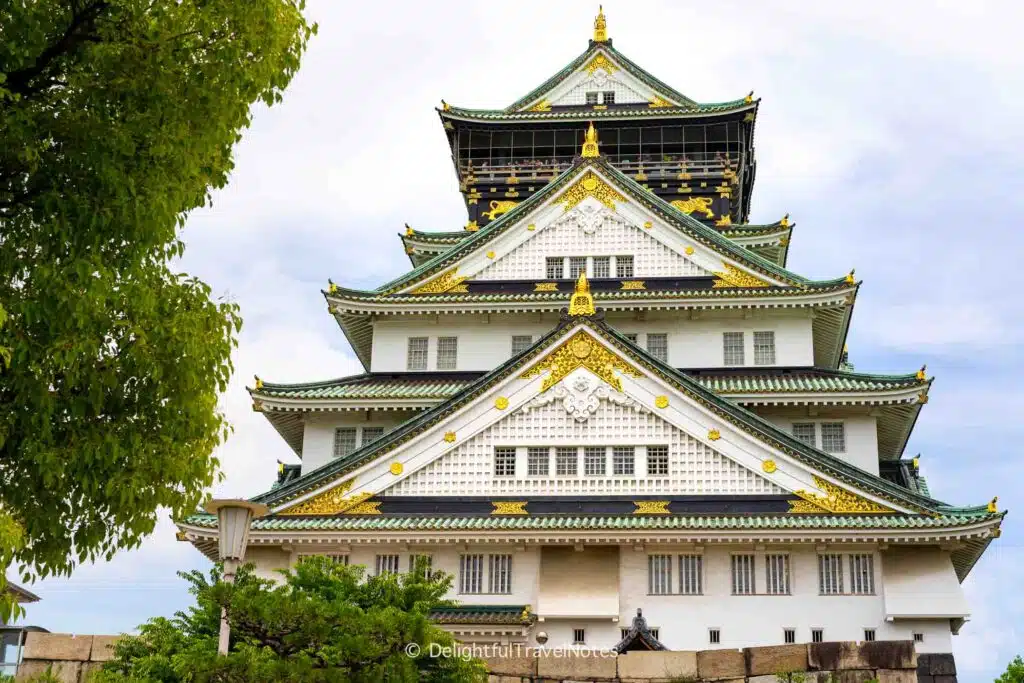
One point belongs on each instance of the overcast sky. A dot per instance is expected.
(889, 131)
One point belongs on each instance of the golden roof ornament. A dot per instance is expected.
(992, 507)
(590, 143)
(259, 382)
(582, 303)
(600, 26)
(785, 221)
(849, 277)
(408, 230)
(331, 287)
(445, 106)
(749, 98)
(921, 373)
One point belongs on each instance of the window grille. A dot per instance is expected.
(623, 266)
(602, 266)
(817, 635)
(537, 462)
(862, 574)
(833, 437)
(579, 636)
(417, 355)
(657, 346)
(609, 97)
(577, 265)
(714, 636)
(777, 574)
(594, 461)
(655, 632)
(830, 574)
(743, 575)
(659, 574)
(592, 97)
(691, 573)
(869, 635)
(520, 343)
(426, 567)
(447, 353)
(565, 462)
(631, 337)
(732, 348)
(804, 431)
(386, 564)
(554, 267)
(623, 460)
(657, 461)
(623, 632)
(500, 574)
(471, 574)
(789, 636)
(504, 462)
(371, 434)
(344, 441)
(764, 348)
(336, 558)
(918, 637)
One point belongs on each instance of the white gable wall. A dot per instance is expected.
(318, 433)
(572, 91)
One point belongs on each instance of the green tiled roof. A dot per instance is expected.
(596, 114)
(373, 386)
(483, 614)
(449, 237)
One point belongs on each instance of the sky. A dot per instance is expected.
(889, 131)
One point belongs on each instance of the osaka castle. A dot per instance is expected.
(607, 392)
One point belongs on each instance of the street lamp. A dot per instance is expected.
(233, 519)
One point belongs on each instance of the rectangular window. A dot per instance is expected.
(609, 97)
(577, 265)
(623, 460)
(504, 462)
(537, 462)
(657, 346)
(630, 337)
(918, 637)
(830, 574)
(386, 564)
(833, 437)
(471, 574)
(817, 635)
(500, 580)
(777, 574)
(426, 566)
(371, 434)
(592, 97)
(623, 266)
(764, 348)
(869, 634)
(804, 431)
(659, 574)
(714, 636)
(862, 574)
(656, 633)
(789, 636)
(447, 353)
(691, 572)
(554, 267)
(732, 348)
(657, 461)
(565, 462)
(602, 266)
(344, 441)
(416, 359)
(743, 575)
(623, 632)
(336, 558)
(520, 343)
(594, 462)
(579, 636)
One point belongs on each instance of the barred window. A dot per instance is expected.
(862, 574)
(789, 636)
(657, 461)
(623, 266)
(416, 359)
(764, 348)
(657, 346)
(554, 267)
(500, 580)
(623, 460)
(371, 434)
(631, 337)
(804, 431)
(521, 342)
(833, 437)
(592, 97)
(602, 266)
(447, 353)
(830, 574)
(386, 564)
(424, 562)
(732, 348)
(743, 575)
(344, 441)
(714, 636)
(565, 462)
(918, 637)
(577, 265)
(817, 635)
(579, 636)
(609, 97)
(659, 574)
(691, 573)
(336, 558)
(537, 462)
(869, 634)
(594, 461)
(504, 462)
(777, 574)
(471, 574)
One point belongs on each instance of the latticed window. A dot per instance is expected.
(565, 462)
(500, 578)
(830, 574)
(608, 97)
(743, 575)
(386, 564)
(804, 431)
(833, 437)
(471, 574)
(659, 574)
(776, 569)
(691, 573)
(537, 462)
(371, 434)
(521, 342)
(623, 460)
(424, 562)
(623, 266)
(577, 265)
(416, 359)
(732, 348)
(592, 97)
(862, 574)
(764, 348)
(344, 441)
(554, 267)
(447, 353)
(602, 266)
(594, 461)
(657, 346)
(504, 462)
(657, 461)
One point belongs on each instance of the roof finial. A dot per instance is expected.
(408, 230)
(921, 374)
(785, 221)
(582, 303)
(600, 26)
(259, 382)
(992, 506)
(590, 143)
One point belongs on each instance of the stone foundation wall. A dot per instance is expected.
(72, 658)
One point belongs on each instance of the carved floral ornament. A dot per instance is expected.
(335, 501)
(582, 398)
(591, 185)
(835, 499)
(449, 281)
(581, 351)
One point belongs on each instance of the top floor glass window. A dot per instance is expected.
(416, 358)
(592, 97)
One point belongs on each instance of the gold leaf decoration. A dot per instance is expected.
(546, 287)
(835, 500)
(490, 254)
(658, 102)
(633, 284)
(651, 507)
(501, 403)
(661, 401)
(396, 468)
(543, 105)
(734, 277)
(689, 251)
(472, 226)
(714, 435)
(330, 502)
(581, 351)
(448, 281)
(695, 205)
(508, 507)
(648, 225)
(498, 208)
(769, 466)
(449, 437)
(591, 185)
(364, 507)
(600, 62)
(590, 144)
(581, 303)
(724, 221)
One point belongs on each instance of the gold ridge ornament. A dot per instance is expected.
(591, 185)
(581, 351)
(590, 143)
(835, 499)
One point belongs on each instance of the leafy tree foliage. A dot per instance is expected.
(117, 117)
(1014, 672)
(326, 623)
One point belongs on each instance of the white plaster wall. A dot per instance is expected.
(861, 434)
(921, 583)
(318, 433)
(268, 561)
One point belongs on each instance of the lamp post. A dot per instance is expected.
(233, 519)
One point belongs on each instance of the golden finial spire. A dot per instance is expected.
(590, 143)
(600, 26)
(582, 303)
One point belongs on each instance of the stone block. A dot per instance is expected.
(896, 676)
(879, 654)
(103, 648)
(936, 664)
(763, 661)
(65, 671)
(945, 679)
(854, 676)
(59, 646)
(664, 664)
(763, 679)
(520, 665)
(717, 665)
(575, 665)
(505, 679)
